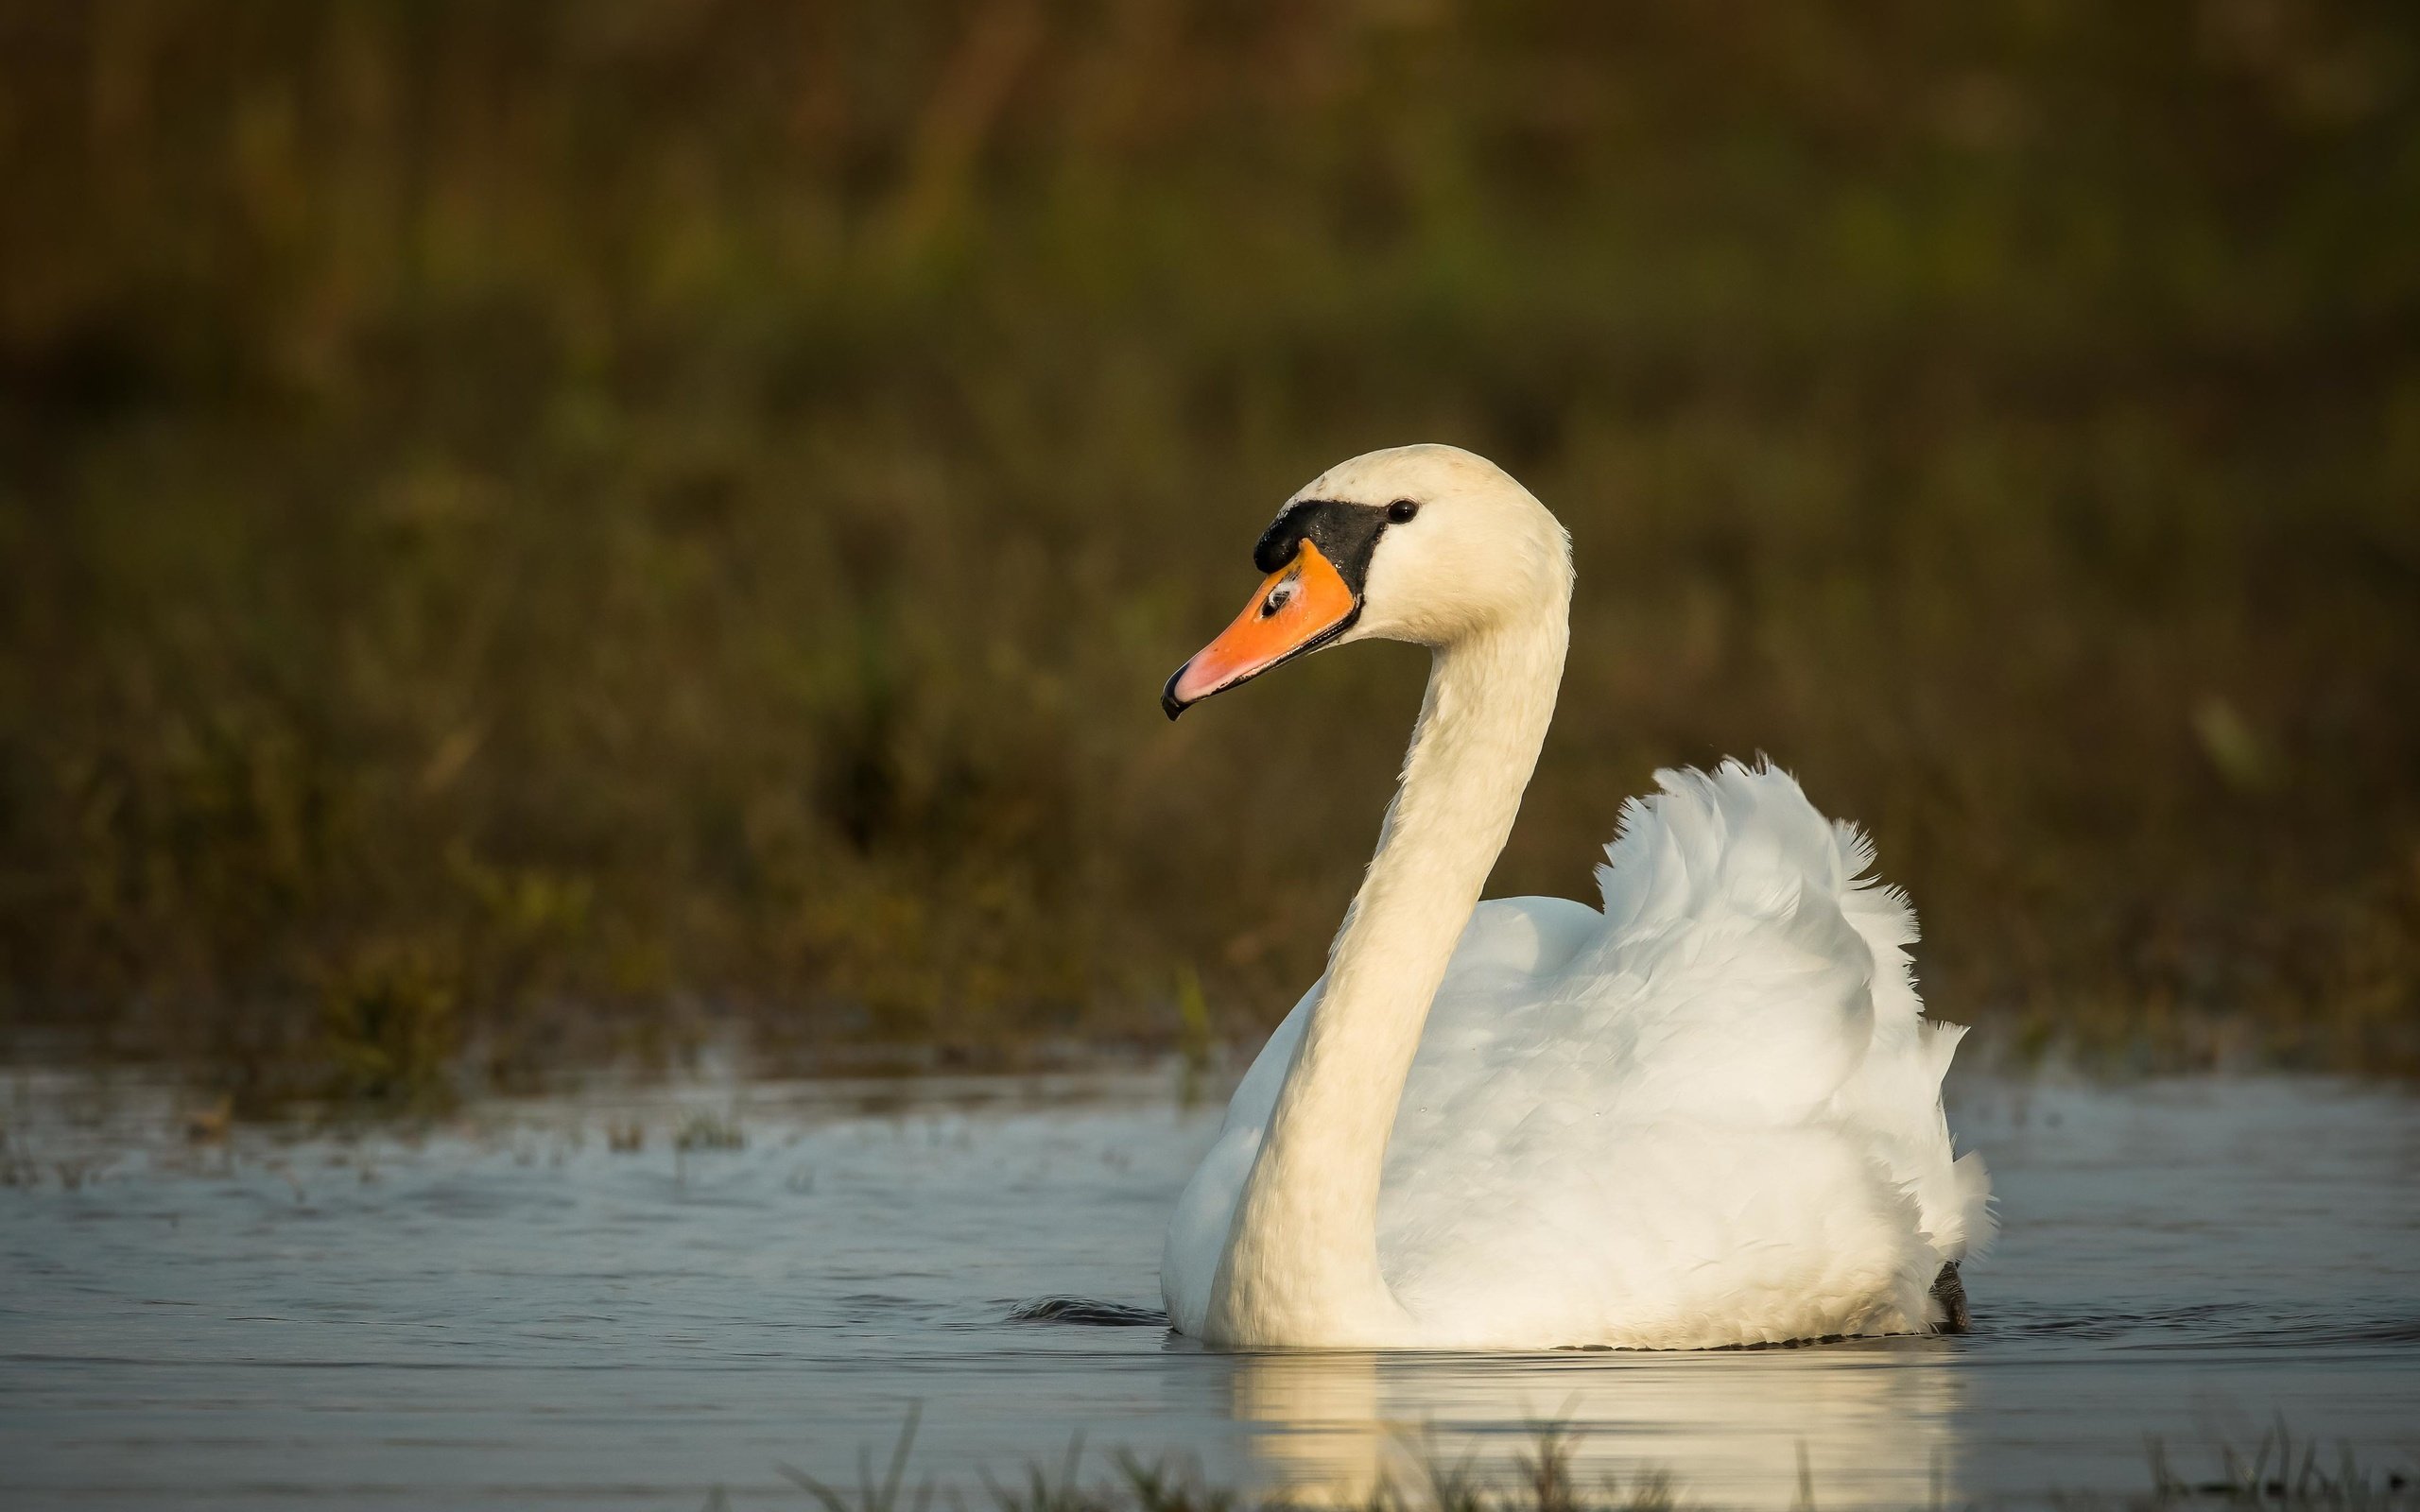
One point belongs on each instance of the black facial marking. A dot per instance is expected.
(1346, 534)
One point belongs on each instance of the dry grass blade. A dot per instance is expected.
(872, 1496)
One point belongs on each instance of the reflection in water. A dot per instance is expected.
(1312, 1426)
(1872, 1421)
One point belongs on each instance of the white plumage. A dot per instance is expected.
(1707, 1115)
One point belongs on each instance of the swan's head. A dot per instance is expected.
(1430, 544)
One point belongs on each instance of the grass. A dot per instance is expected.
(2281, 1473)
(536, 534)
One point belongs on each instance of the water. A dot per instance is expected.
(508, 1311)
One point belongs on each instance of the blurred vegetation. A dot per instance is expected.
(535, 530)
(1550, 1475)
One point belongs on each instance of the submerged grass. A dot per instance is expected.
(532, 532)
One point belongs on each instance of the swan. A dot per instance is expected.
(1707, 1115)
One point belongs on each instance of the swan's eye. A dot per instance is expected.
(1401, 511)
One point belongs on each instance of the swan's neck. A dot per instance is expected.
(1302, 1265)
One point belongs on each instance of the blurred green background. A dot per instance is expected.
(538, 533)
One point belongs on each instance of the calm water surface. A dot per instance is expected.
(509, 1312)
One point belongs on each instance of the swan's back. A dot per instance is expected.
(1709, 1114)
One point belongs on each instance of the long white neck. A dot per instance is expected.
(1301, 1266)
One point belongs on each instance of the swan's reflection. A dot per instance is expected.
(1874, 1421)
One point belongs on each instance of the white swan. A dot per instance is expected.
(1709, 1115)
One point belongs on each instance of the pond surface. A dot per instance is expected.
(510, 1311)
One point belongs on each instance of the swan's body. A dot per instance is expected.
(1707, 1115)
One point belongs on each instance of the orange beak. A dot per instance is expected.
(1300, 608)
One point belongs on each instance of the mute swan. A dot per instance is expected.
(1709, 1115)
